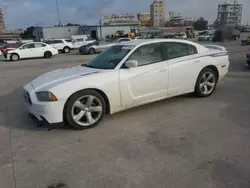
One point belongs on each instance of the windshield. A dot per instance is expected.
(110, 58)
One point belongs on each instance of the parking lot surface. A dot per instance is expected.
(176, 143)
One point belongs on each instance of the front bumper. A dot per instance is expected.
(49, 112)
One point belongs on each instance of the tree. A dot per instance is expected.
(200, 24)
(70, 24)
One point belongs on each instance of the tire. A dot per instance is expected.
(92, 51)
(205, 86)
(66, 49)
(14, 57)
(80, 106)
(47, 54)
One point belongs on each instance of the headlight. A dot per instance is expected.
(45, 96)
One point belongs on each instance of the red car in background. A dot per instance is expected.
(7, 47)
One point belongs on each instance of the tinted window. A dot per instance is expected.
(58, 41)
(147, 54)
(80, 40)
(68, 40)
(28, 46)
(175, 50)
(49, 42)
(191, 49)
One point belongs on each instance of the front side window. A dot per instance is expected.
(28, 46)
(110, 58)
(147, 54)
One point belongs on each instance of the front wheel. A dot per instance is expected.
(47, 55)
(14, 57)
(206, 83)
(92, 51)
(85, 109)
(66, 50)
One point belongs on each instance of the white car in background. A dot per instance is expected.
(78, 42)
(180, 36)
(31, 50)
(61, 45)
(126, 75)
(206, 37)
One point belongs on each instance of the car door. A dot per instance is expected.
(58, 44)
(147, 82)
(39, 49)
(27, 51)
(184, 67)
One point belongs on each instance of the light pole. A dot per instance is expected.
(58, 13)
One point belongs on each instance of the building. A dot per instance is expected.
(103, 31)
(45, 33)
(119, 19)
(158, 13)
(229, 14)
(175, 19)
(144, 18)
(11, 35)
(2, 24)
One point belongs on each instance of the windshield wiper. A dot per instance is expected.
(86, 65)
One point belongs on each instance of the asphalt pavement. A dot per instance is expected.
(182, 142)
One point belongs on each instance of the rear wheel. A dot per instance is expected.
(92, 51)
(14, 57)
(206, 83)
(47, 54)
(85, 109)
(66, 50)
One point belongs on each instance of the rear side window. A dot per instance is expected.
(191, 49)
(174, 50)
(39, 45)
(58, 41)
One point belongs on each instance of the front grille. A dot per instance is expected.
(27, 97)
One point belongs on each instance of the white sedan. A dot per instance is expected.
(124, 76)
(31, 50)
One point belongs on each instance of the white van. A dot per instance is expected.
(80, 40)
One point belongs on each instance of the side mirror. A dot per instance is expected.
(131, 63)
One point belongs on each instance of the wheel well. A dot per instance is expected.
(96, 90)
(48, 52)
(214, 68)
(15, 54)
(66, 47)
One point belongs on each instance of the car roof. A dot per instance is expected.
(139, 42)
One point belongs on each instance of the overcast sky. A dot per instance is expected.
(25, 13)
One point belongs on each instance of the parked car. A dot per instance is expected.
(248, 57)
(31, 50)
(99, 46)
(206, 37)
(95, 47)
(124, 76)
(181, 36)
(61, 45)
(78, 42)
(7, 47)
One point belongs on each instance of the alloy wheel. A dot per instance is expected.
(207, 83)
(87, 110)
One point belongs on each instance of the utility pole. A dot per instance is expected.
(58, 13)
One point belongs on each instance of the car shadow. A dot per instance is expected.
(16, 115)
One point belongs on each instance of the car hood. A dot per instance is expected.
(61, 75)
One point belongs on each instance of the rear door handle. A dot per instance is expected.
(197, 61)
